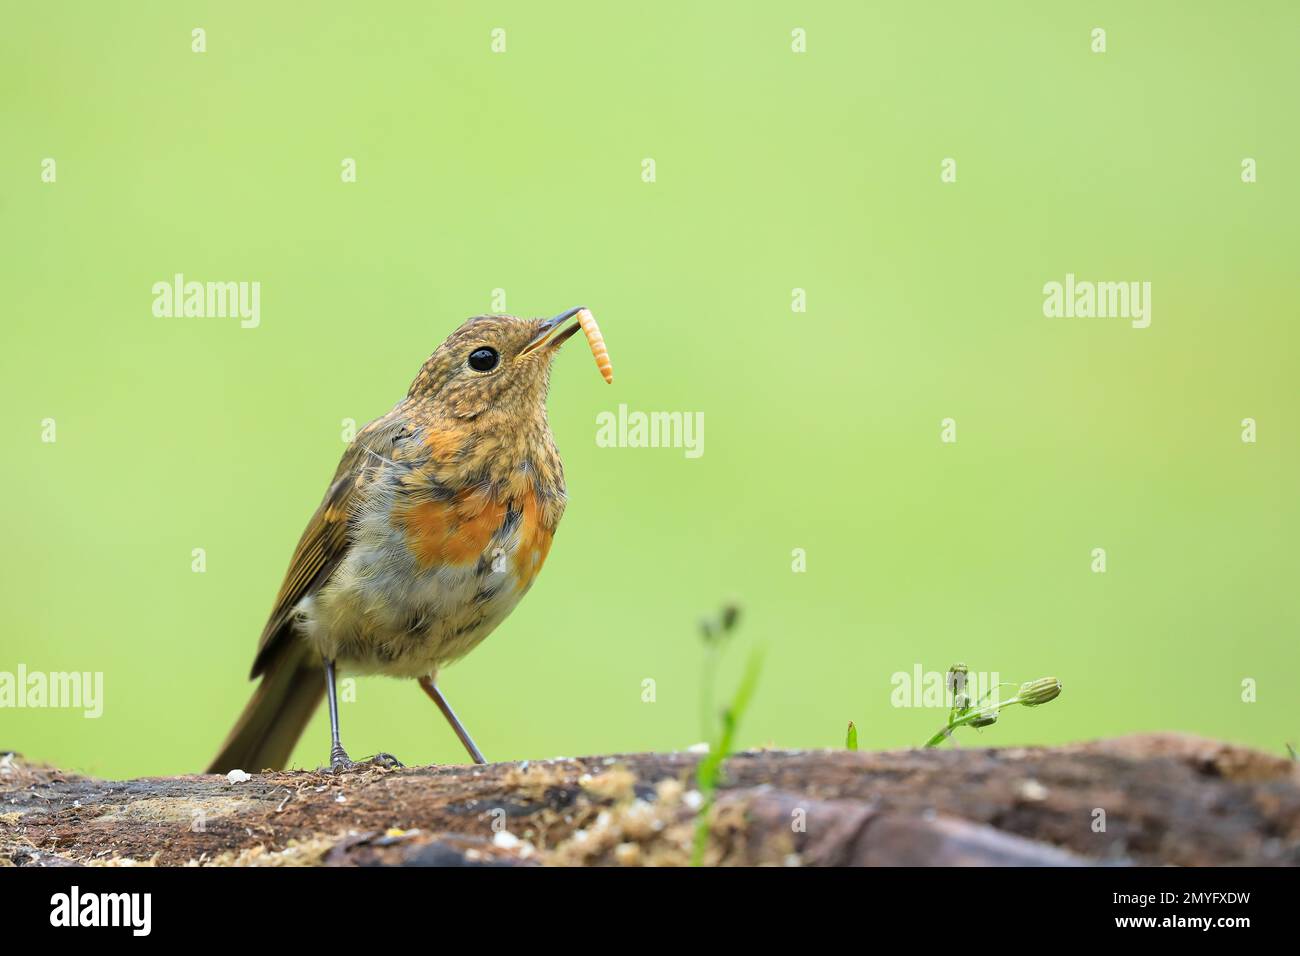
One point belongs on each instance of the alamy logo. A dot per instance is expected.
(1098, 300)
(76, 690)
(922, 688)
(208, 300)
(626, 429)
(103, 909)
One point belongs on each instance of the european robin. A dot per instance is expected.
(438, 519)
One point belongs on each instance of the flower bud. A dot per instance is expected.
(1035, 692)
(957, 678)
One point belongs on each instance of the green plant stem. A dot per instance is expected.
(966, 718)
(710, 768)
(706, 689)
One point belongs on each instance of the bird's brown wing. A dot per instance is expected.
(325, 539)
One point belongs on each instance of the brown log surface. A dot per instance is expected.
(1167, 799)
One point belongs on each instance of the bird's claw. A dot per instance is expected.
(340, 762)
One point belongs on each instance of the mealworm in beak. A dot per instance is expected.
(597, 343)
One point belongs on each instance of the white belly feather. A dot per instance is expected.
(382, 613)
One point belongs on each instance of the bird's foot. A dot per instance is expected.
(340, 762)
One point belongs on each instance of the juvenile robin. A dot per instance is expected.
(438, 519)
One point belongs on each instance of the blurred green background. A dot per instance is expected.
(775, 170)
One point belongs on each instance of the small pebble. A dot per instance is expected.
(1032, 790)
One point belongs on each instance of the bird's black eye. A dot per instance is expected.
(484, 359)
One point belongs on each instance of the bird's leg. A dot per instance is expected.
(339, 759)
(435, 695)
(338, 756)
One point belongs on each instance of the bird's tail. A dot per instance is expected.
(264, 736)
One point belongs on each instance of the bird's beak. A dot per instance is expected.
(544, 336)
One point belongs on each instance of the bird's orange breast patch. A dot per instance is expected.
(453, 532)
(460, 531)
(534, 543)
